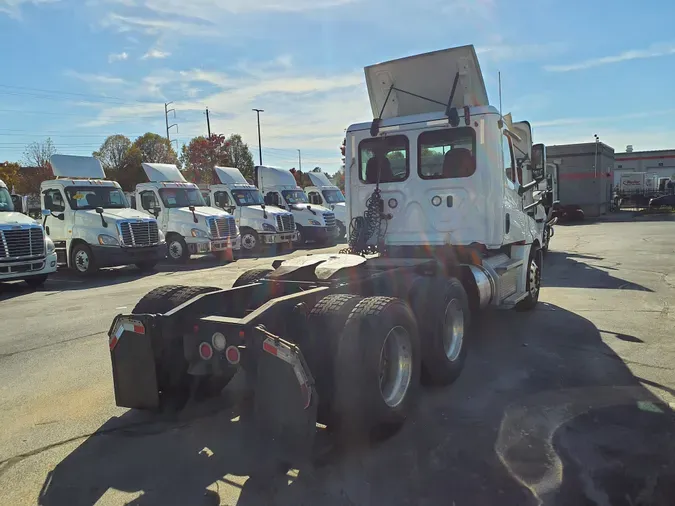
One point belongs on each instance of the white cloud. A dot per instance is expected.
(155, 54)
(13, 7)
(502, 52)
(559, 122)
(96, 78)
(117, 56)
(653, 51)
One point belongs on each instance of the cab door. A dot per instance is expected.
(149, 202)
(59, 225)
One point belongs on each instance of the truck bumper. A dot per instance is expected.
(320, 234)
(111, 256)
(23, 269)
(281, 237)
(199, 246)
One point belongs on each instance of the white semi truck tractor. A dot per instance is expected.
(190, 225)
(90, 220)
(312, 222)
(26, 253)
(324, 193)
(259, 225)
(441, 229)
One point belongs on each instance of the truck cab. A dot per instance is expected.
(191, 227)
(259, 224)
(90, 220)
(431, 173)
(312, 222)
(26, 253)
(324, 193)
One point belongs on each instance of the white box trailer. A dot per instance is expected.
(632, 182)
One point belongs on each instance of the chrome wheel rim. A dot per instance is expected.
(82, 261)
(248, 241)
(176, 250)
(453, 335)
(395, 368)
(534, 278)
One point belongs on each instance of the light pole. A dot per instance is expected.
(258, 111)
(595, 159)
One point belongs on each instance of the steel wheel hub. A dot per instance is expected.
(395, 369)
(453, 331)
(82, 261)
(248, 241)
(176, 249)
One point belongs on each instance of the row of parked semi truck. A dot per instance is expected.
(88, 222)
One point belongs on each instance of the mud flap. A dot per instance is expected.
(286, 400)
(133, 363)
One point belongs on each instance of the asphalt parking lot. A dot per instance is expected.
(571, 404)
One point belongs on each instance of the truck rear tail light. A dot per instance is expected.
(232, 355)
(205, 351)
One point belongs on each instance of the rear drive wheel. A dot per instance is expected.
(83, 260)
(36, 281)
(377, 365)
(533, 281)
(325, 323)
(173, 379)
(177, 249)
(442, 309)
(301, 240)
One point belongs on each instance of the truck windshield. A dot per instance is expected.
(6, 204)
(107, 197)
(333, 196)
(295, 197)
(248, 197)
(181, 197)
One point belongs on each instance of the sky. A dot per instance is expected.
(78, 71)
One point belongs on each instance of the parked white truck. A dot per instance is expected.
(90, 220)
(259, 224)
(343, 339)
(280, 189)
(324, 193)
(191, 227)
(26, 253)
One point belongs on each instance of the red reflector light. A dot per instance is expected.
(232, 354)
(139, 329)
(205, 351)
(242, 334)
(269, 348)
(195, 329)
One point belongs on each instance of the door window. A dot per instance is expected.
(54, 201)
(507, 158)
(149, 201)
(222, 199)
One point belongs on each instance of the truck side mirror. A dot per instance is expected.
(156, 211)
(538, 162)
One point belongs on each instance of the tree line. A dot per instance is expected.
(121, 159)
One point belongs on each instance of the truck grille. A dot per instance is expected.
(330, 219)
(139, 233)
(222, 227)
(285, 223)
(22, 243)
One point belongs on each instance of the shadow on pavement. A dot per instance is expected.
(570, 270)
(544, 411)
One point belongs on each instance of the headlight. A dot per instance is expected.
(196, 232)
(315, 223)
(107, 240)
(269, 228)
(49, 244)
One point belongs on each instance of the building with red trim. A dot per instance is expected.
(660, 163)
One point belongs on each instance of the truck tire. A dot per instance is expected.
(532, 280)
(325, 323)
(251, 276)
(82, 260)
(301, 240)
(177, 249)
(173, 379)
(377, 367)
(441, 306)
(250, 242)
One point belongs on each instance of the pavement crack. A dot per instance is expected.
(53, 343)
